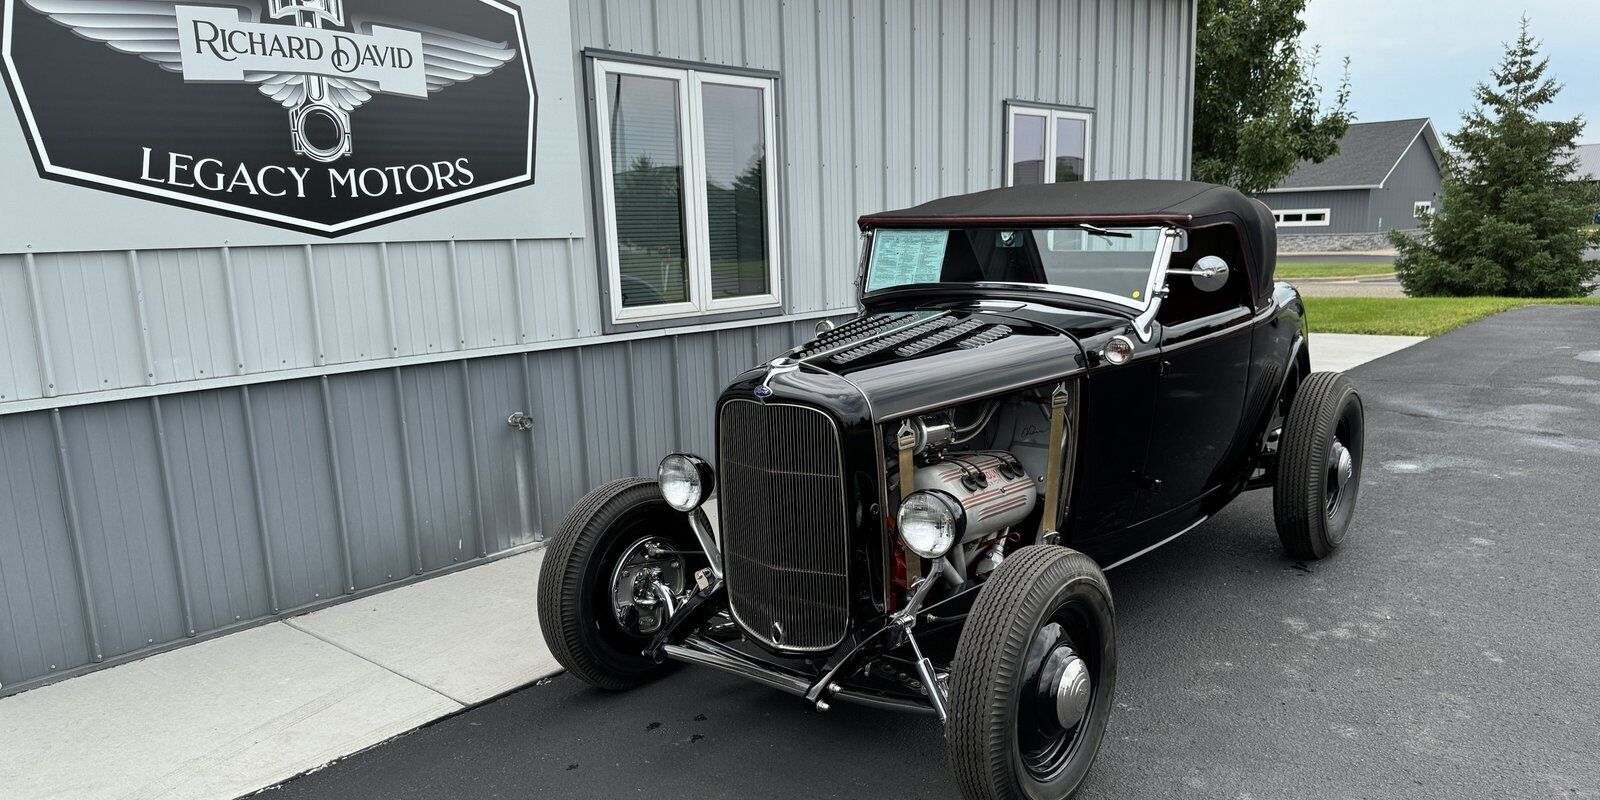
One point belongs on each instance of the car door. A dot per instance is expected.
(1117, 410)
(1200, 397)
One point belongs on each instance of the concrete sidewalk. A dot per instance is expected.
(1337, 352)
(232, 715)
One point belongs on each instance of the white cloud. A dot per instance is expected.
(1422, 59)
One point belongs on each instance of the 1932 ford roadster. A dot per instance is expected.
(914, 509)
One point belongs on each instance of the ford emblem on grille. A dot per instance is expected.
(777, 633)
(763, 392)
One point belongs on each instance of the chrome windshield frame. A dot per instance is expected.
(1145, 311)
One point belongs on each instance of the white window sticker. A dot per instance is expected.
(905, 257)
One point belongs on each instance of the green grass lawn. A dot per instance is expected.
(1330, 269)
(1412, 316)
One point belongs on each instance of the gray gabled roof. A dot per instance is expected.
(1367, 154)
(1586, 157)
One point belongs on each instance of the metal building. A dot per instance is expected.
(274, 333)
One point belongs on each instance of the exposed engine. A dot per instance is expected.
(992, 487)
(989, 457)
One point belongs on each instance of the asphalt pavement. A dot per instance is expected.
(1451, 649)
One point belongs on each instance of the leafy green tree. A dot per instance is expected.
(1511, 220)
(1258, 110)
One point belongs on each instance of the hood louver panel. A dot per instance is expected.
(853, 331)
(879, 345)
(929, 342)
(989, 335)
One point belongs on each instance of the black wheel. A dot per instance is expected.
(1033, 679)
(1319, 466)
(610, 578)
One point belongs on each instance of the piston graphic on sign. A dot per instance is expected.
(310, 62)
(315, 107)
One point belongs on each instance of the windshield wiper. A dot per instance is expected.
(1098, 231)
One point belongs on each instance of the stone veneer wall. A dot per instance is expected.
(1333, 242)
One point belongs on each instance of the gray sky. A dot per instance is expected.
(1422, 58)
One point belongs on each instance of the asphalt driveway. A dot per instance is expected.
(1451, 650)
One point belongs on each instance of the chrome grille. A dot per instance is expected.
(785, 541)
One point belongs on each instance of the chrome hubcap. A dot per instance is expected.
(1341, 464)
(646, 584)
(1072, 692)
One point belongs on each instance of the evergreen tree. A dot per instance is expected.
(1257, 111)
(1511, 221)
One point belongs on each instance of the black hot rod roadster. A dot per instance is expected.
(914, 509)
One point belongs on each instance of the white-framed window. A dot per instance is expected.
(1047, 145)
(689, 188)
(1421, 208)
(1302, 217)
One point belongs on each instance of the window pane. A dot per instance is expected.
(647, 174)
(1070, 149)
(1027, 149)
(736, 189)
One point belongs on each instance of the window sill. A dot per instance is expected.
(693, 319)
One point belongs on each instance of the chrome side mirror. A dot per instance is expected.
(1209, 273)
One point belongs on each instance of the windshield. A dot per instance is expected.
(1114, 264)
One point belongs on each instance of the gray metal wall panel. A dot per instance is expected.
(116, 320)
(88, 293)
(190, 319)
(41, 600)
(1414, 179)
(365, 420)
(296, 485)
(251, 502)
(427, 300)
(447, 521)
(273, 286)
(561, 456)
(20, 371)
(213, 497)
(498, 388)
(1348, 209)
(130, 542)
(350, 303)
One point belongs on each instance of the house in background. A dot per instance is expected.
(1384, 177)
(1586, 159)
(1586, 163)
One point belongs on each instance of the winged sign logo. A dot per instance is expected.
(304, 55)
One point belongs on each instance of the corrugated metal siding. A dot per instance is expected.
(1348, 210)
(884, 104)
(199, 511)
(1414, 179)
(76, 323)
(888, 103)
(127, 525)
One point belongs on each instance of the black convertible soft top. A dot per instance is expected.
(1185, 204)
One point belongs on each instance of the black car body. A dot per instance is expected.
(1063, 377)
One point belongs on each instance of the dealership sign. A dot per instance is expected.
(326, 116)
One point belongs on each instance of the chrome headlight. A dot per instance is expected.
(686, 481)
(931, 522)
